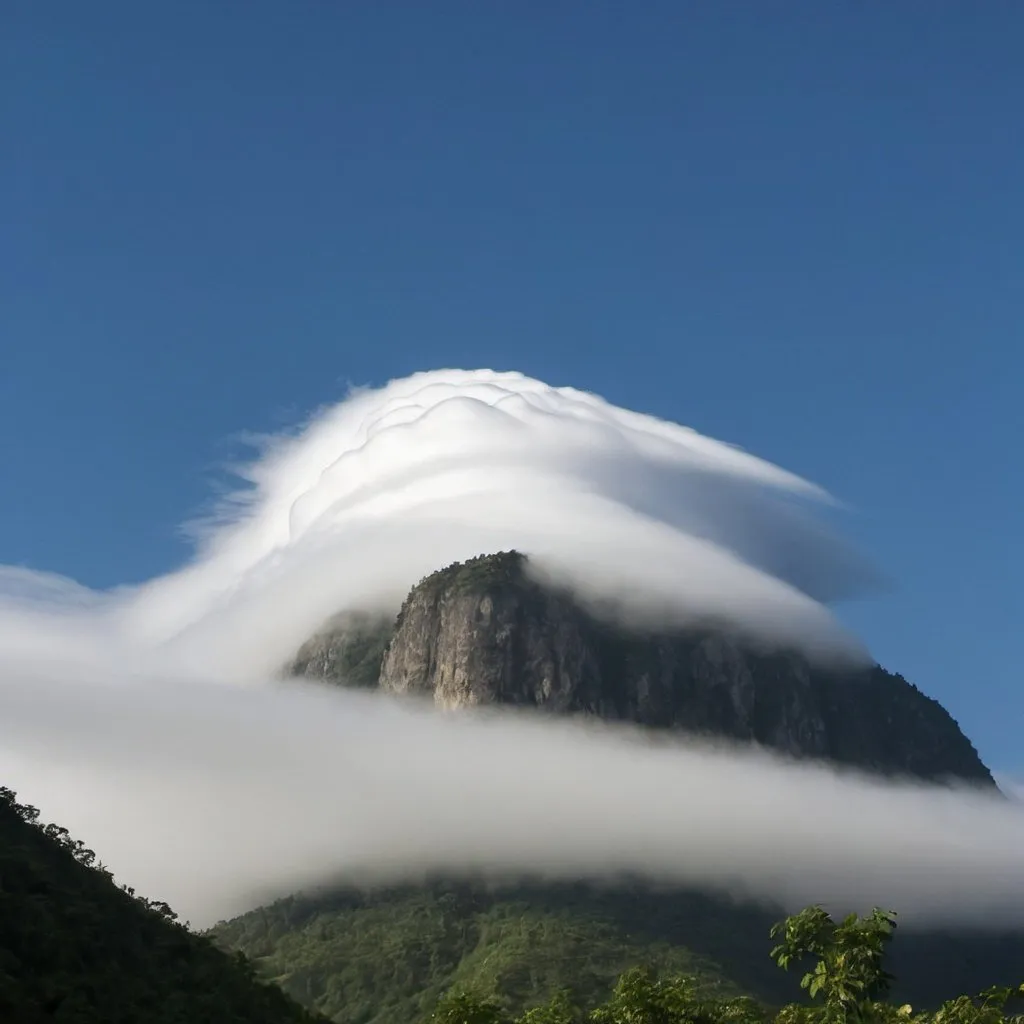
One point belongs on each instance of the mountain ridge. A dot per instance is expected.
(75, 947)
(485, 631)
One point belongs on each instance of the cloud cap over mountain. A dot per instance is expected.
(377, 491)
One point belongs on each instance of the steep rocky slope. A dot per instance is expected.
(485, 632)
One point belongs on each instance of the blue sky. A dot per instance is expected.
(796, 227)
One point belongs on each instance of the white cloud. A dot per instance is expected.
(390, 484)
(1011, 785)
(217, 798)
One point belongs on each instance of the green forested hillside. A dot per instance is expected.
(75, 948)
(845, 980)
(385, 957)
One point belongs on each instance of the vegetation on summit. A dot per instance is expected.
(481, 572)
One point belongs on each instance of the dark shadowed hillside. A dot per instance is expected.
(76, 948)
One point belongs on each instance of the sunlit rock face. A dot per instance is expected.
(488, 632)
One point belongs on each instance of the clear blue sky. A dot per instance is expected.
(797, 227)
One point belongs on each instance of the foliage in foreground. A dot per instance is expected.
(75, 948)
(846, 982)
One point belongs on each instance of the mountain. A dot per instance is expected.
(76, 948)
(487, 631)
(387, 955)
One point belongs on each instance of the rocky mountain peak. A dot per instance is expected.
(485, 631)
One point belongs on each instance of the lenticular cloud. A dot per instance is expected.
(390, 484)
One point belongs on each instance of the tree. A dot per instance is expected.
(640, 997)
(560, 1009)
(987, 1008)
(849, 974)
(465, 1008)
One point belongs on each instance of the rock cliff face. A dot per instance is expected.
(348, 650)
(484, 632)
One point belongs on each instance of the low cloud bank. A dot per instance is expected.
(219, 798)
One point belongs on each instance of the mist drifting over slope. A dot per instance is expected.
(118, 722)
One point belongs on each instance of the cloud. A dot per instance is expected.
(219, 798)
(120, 723)
(1012, 786)
(374, 493)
